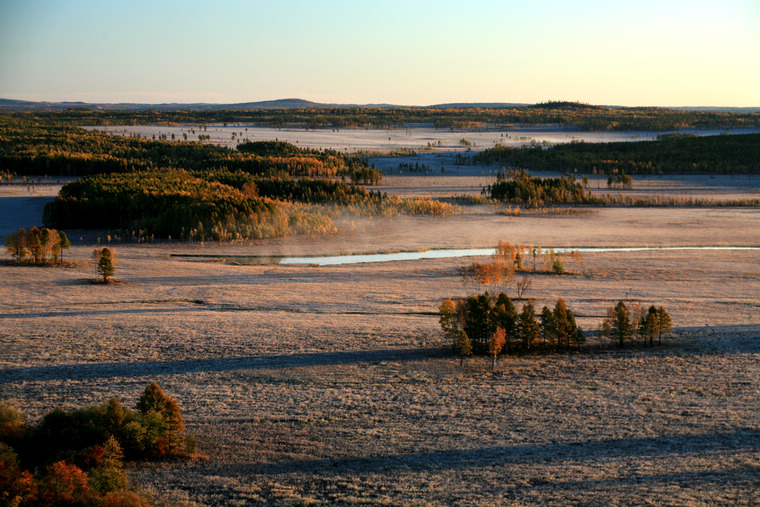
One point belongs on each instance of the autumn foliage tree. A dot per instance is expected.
(36, 246)
(78, 455)
(496, 344)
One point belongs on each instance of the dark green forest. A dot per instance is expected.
(672, 154)
(568, 114)
(522, 188)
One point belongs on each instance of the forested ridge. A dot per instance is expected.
(569, 114)
(674, 154)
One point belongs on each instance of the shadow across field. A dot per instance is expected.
(597, 451)
(181, 306)
(88, 371)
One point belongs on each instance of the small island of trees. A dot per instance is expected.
(37, 246)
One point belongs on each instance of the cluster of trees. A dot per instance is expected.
(508, 260)
(719, 154)
(583, 116)
(486, 325)
(522, 188)
(32, 148)
(176, 204)
(483, 324)
(76, 457)
(37, 246)
(620, 180)
(631, 324)
(216, 205)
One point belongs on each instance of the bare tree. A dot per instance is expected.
(523, 284)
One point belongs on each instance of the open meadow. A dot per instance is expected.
(333, 384)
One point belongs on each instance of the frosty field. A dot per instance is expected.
(332, 384)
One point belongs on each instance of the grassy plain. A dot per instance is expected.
(324, 385)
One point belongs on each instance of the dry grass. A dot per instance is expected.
(331, 385)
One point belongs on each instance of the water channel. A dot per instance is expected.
(332, 260)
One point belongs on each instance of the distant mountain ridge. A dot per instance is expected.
(22, 105)
(11, 105)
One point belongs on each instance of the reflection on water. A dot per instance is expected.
(331, 260)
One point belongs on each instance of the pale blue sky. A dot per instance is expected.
(642, 52)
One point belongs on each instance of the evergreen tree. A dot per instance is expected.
(477, 321)
(548, 328)
(528, 327)
(106, 259)
(621, 324)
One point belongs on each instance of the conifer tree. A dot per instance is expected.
(547, 326)
(106, 262)
(528, 327)
(621, 323)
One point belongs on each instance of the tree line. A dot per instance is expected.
(517, 186)
(569, 114)
(485, 325)
(77, 457)
(30, 148)
(674, 154)
(216, 205)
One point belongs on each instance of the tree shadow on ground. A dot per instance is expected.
(89, 371)
(563, 453)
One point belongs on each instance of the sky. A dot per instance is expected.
(406, 52)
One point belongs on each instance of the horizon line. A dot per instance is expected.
(370, 104)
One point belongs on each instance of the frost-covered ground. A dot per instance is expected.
(366, 139)
(332, 384)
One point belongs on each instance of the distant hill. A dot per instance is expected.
(565, 105)
(10, 105)
(477, 105)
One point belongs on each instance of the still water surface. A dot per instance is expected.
(331, 260)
